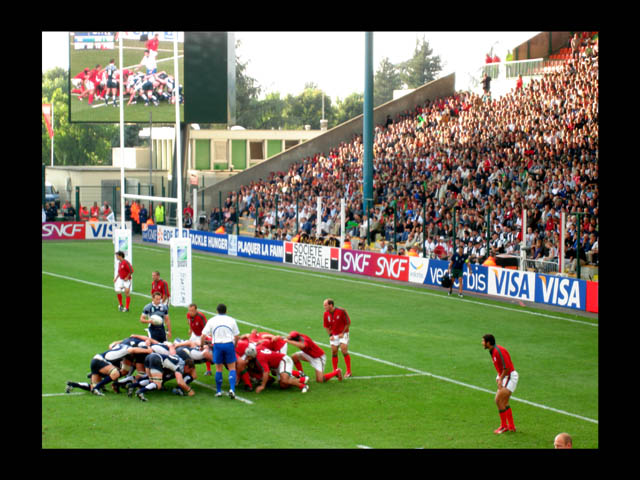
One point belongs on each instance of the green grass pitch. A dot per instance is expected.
(421, 378)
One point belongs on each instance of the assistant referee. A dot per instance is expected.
(456, 266)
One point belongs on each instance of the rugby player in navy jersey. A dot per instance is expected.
(148, 90)
(156, 307)
(111, 84)
(106, 367)
(160, 367)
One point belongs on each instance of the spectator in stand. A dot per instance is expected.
(143, 215)
(95, 212)
(127, 211)
(107, 213)
(188, 221)
(68, 211)
(215, 219)
(135, 216)
(84, 213)
(188, 209)
(51, 212)
(159, 214)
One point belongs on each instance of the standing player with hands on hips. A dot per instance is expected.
(336, 322)
(122, 280)
(160, 285)
(507, 381)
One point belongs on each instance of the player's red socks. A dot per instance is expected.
(509, 417)
(120, 299)
(298, 364)
(347, 361)
(503, 418)
(209, 369)
(128, 302)
(334, 361)
(329, 376)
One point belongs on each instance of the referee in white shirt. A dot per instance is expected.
(224, 332)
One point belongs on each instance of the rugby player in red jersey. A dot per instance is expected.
(312, 353)
(78, 82)
(160, 285)
(122, 280)
(507, 381)
(336, 322)
(152, 45)
(280, 363)
(195, 319)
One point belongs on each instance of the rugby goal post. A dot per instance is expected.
(179, 247)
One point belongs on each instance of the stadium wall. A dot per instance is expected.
(323, 143)
(571, 293)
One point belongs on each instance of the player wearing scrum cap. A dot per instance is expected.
(278, 362)
(312, 353)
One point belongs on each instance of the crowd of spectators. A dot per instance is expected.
(479, 158)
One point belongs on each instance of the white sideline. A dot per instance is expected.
(415, 371)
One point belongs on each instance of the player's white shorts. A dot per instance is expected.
(285, 366)
(122, 285)
(195, 338)
(76, 82)
(335, 341)
(317, 363)
(510, 382)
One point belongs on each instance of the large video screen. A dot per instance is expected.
(150, 89)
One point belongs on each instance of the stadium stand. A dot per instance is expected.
(536, 147)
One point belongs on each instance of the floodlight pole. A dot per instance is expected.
(367, 132)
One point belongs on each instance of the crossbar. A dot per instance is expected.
(150, 198)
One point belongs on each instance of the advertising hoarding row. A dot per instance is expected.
(79, 230)
(495, 281)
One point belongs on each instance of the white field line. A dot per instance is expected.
(211, 387)
(378, 360)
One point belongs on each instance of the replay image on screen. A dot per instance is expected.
(151, 85)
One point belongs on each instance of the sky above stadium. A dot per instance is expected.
(285, 61)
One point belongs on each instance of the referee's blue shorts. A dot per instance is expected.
(224, 353)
